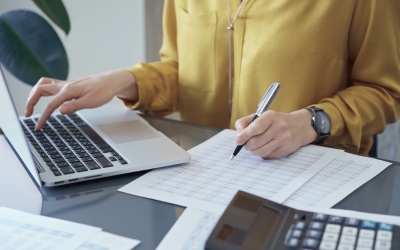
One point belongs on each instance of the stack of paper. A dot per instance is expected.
(309, 178)
(20, 230)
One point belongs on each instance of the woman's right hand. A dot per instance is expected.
(89, 92)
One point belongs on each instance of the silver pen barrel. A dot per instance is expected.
(268, 98)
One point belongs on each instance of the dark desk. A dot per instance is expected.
(98, 203)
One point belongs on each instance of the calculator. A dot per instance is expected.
(252, 222)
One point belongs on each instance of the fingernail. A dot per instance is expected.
(239, 140)
(63, 110)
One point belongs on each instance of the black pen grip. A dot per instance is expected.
(239, 147)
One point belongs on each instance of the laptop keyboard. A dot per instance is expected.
(65, 149)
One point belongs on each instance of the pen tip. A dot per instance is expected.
(231, 157)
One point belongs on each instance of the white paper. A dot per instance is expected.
(193, 228)
(20, 230)
(210, 180)
(337, 180)
(108, 241)
(191, 231)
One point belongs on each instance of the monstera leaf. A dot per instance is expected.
(56, 11)
(30, 48)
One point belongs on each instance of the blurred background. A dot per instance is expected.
(106, 35)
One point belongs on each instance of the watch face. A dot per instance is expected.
(323, 122)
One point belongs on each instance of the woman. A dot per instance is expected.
(340, 56)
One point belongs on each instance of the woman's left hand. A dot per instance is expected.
(275, 134)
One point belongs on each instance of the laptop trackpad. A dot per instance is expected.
(127, 131)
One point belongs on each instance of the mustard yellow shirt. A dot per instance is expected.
(341, 56)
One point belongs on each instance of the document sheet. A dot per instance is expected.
(20, 230)
(193, 228)
(210, 180)
(107, 241)
(337, 180)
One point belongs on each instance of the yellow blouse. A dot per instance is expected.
(341, 56)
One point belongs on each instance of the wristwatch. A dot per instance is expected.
(321, 123)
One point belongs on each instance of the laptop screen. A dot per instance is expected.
(10, 124)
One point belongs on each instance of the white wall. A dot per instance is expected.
(105, 35)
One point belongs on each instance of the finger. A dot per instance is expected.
(44, 90)
(52, 105)
(43, 81)
(266, 149)
(242, 123)
(257, 141)
(75, 105)
(257, 127)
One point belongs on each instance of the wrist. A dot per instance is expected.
(305, 129)
(127, 88)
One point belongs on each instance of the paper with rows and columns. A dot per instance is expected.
(194, 226)
(210, 180)
(20, 230)
(108, 241)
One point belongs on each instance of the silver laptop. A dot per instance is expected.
(87, 145)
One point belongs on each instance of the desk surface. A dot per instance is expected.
(98, 203)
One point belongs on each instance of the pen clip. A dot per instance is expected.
(268, 98)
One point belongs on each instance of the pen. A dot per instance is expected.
(262, 106)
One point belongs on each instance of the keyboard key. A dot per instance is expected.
(351, 231)
(73, 160)
(82, 155)
(384, 235)
(55, 156)
(43, 155)
(123, 162)
(62, 164)
(81, 169)
(366, 224)
(331, 228)
(46, 159)
(76, 164)
(50, 164)
(89, 147)
(382, 245)
(62, 118)
(93, 136)
(316, 225)
(92, 165)
(106, 150)
(80, 124)
(70, 156)
(330, 236)
(297, 233)
(385, 226)
(349, 240)
(365, 233)
(56, 173)
(97, 155)
(319, 217)
(119, 157)
(86, 159)
(73, 143)
(53, 169)
(345, 247)
(335, 219)
(293, 243)
(46, 144)
(300, 225)
(310, 243)
(76, 147)
(66, 152)
(59, 160)
(362, 242)
(327, 245)
(93, 151)
(63, 148)
(112, 158)
(313, 234)
(104, 162)
(67, 170)
(102, 145)
(80, 151)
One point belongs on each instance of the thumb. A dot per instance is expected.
(243, 123)
(73, 106)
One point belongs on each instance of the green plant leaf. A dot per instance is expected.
(56, 11)
(30, 48)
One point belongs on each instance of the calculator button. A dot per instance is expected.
(316, 225)
(345, 247)
(364, 233)
(319, 217)
(330, 236)
(293, 243)
(300, 225)
(351, 222)
(335, 219)
(385, 226)
(365, 242)
(313, 234)
(351, 231)
(382, 245)
(384, 235)
(327, 245)
(346, 239)
(363, 248)
(331, 228)
(366, 224)
(310, 243)
(297, 233)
